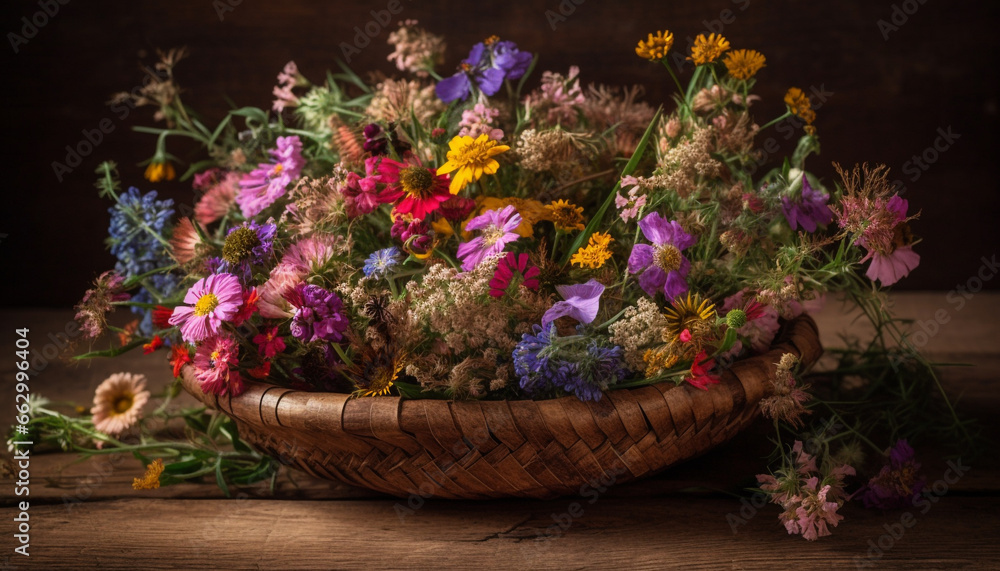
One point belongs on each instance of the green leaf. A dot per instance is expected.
(112, 352)
(415, 391)
(630, 167)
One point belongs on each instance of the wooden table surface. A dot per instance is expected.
(85, 515)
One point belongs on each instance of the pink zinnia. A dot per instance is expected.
(269, 344)
(513, 263)
(268, 182)
(498, 229)
(215, 363)
(210, 302)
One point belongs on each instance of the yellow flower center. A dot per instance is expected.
(122, 404)
(491, 40)
(206, 304)
(278, 168)
(492, 235)
(668, 258)
(416, 181)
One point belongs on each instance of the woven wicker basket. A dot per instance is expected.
(494, 449)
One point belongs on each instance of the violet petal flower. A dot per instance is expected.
(497, 231)
(809, 211)
(662, 265)
(582, 302)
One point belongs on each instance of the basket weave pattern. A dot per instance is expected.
(493, 449)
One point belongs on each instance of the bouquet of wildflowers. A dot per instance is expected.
(487, 235)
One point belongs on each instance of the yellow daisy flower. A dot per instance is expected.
(694, 314)
(595, 253)
(151, 479)
(744, 64)
(565, 215)
(655, 47)
(469, 159)
(157, 171)
(708, 49)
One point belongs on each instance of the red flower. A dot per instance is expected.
(161, 317)
(270, 343)
(700, 376)
(154, 344)
(513, 263)
(419, 190)
(179, 356)
(457, 208)
(261, 371)
(249, 307)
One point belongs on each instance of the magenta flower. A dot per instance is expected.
(270, 343)
(267, 183)
(513, 264)
(664, 266)
(897, 484)
(215, 363)
(497, 230)
(809, 211)
(581, 302)
(360, 194)
(319, 314)
(210, 302)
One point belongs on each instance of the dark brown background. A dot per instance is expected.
(890, 97)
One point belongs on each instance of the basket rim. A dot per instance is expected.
(265, 404)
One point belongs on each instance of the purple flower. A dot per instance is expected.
(246, 246)
(582, 302)
(488, 65)
(497, 230)
(890, 268)
(809, 211)
(262, 186)
(319, 314)
(665, 267)
(897, 484)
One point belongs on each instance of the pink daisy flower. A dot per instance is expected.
(215, 363)
(268, 182)
(210, 302)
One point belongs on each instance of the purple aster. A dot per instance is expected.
(210, 302)
(897, 484)
(664, 266)
(319, 314)
(246, 246)
(497, 230)
(809, 211)
(262, 186)
(582, 302)
(488, 65)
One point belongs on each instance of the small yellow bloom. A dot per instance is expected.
(442, 228)
(470, 159)
(708, 49)
(566, 216)
(799, 104)
(595, 253)
(157, 171)
(655, 47)
(744, 64)
(151, 480)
